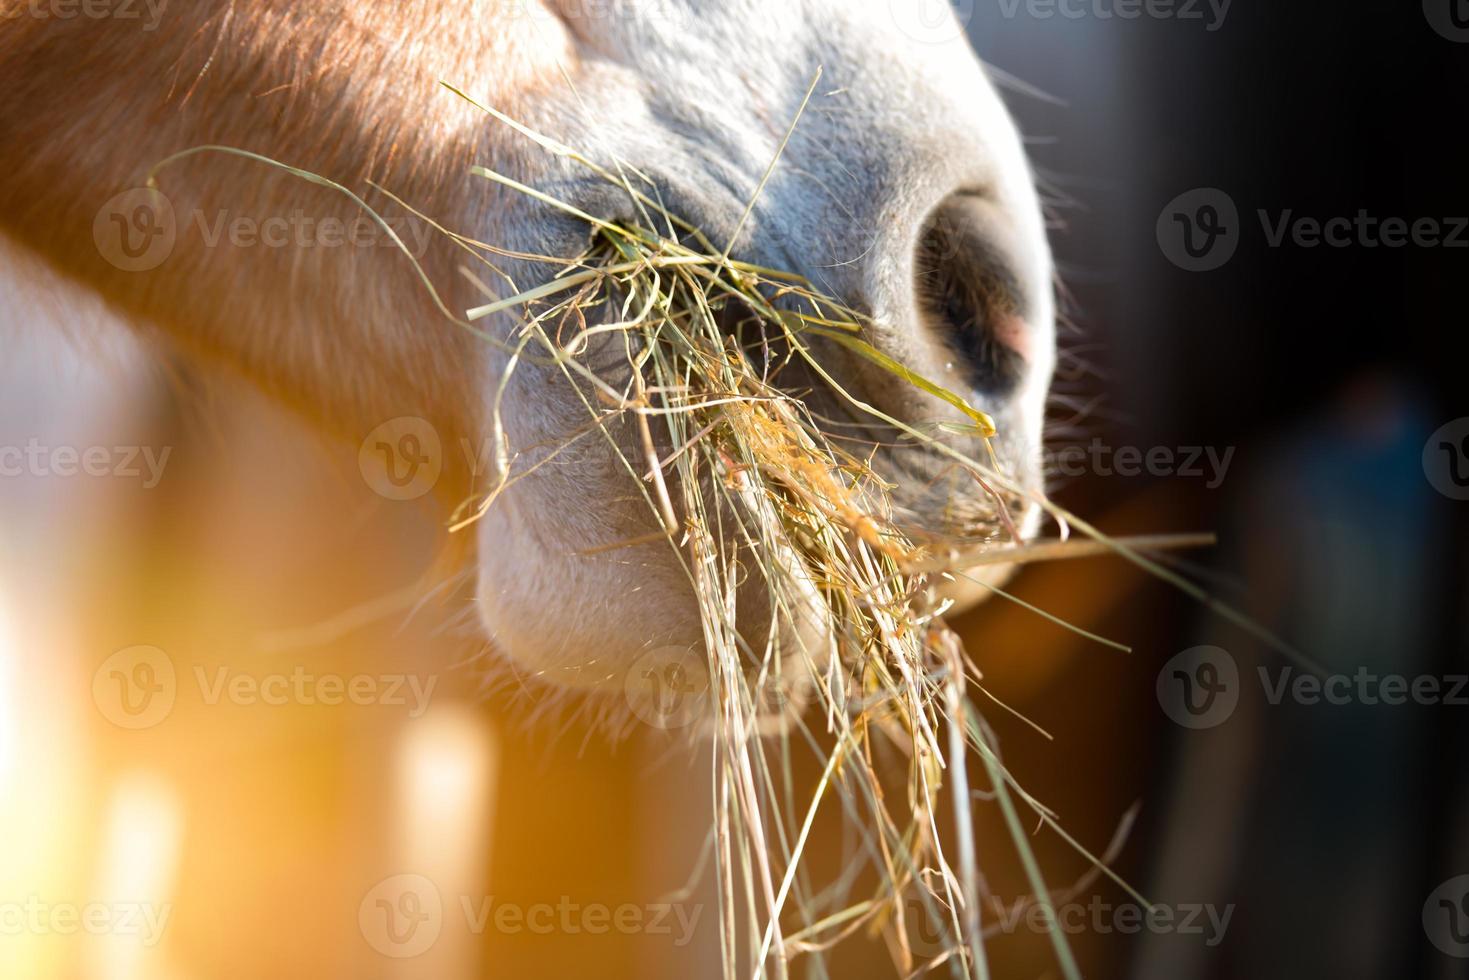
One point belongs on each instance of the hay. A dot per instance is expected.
(754, 485)
(744, 481)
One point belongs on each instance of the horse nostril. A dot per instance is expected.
(969, 293)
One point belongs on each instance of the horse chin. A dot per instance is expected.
(648, 623)
(975, 586)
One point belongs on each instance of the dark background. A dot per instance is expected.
(1327, 370)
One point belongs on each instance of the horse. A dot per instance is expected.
(903, 191)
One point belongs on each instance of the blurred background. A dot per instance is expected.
(1327, 371)
(231, 747)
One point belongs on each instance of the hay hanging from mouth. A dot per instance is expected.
(744, 480)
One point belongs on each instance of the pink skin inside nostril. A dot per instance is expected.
(1011, 330)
